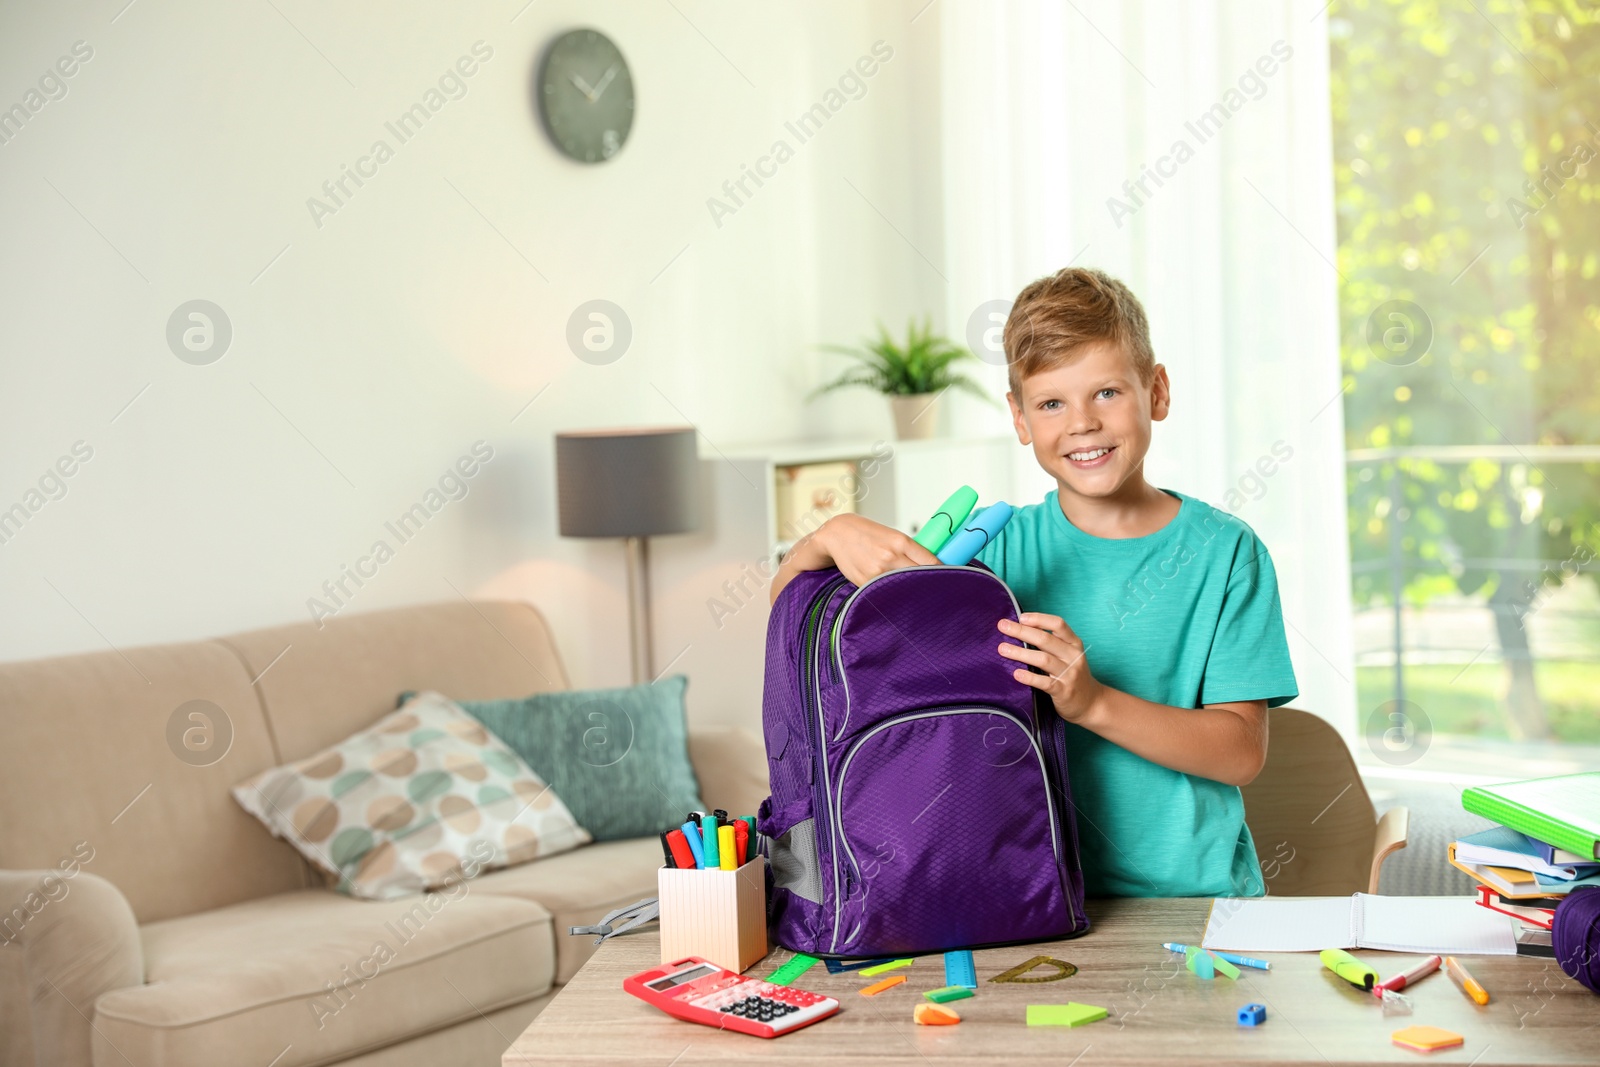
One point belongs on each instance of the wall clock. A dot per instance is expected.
(584, 94)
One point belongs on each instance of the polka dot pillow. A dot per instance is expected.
(423, 798)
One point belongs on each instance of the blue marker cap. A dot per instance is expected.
(978, 531)
(692, 832)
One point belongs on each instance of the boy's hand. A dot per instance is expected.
(863, 549)
(1059, 653)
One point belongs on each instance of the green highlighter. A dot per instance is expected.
(1349, 968)
(943, 524)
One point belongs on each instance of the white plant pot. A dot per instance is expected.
(916, 417)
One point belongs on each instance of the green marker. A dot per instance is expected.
(1349, 968)
(942, 524)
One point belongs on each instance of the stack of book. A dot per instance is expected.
(1547, 844)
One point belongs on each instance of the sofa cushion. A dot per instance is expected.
(618, 758)
(578, 887)
(423, 797)
(312, 977)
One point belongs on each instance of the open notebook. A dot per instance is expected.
(1454, 926)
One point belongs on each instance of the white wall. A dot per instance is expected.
(374, 351)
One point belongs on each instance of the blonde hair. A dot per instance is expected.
(1054, 316)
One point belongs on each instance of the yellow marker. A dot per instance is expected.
(1467, 984)
(728, 852)
(1349, 968)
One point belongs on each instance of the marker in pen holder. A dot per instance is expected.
(718, 915)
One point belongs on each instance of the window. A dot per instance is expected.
(1467, 174)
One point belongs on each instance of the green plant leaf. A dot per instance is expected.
(923, 364)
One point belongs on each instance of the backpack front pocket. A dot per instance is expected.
(940, 818)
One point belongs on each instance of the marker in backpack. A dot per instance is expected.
(691, 834)
(943, 524)
(978, 531)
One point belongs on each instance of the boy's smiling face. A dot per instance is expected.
(1089, 420)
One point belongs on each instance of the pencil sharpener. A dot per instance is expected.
(1252, 1015)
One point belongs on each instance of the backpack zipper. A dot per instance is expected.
(811, 702)
(1058, 745)
(835, 650)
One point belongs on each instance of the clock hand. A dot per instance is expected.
(583, 87)
(605, 81)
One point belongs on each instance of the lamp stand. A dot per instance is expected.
(637, 550)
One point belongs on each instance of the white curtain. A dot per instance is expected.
(1048, 108)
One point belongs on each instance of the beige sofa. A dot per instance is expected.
(192, 936)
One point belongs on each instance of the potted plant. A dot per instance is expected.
(913, 375)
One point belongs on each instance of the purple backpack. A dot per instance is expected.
(919, 796)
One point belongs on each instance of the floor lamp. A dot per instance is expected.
(633, 484)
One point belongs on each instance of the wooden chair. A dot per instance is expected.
(1315, 829)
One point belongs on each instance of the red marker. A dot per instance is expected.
(681, 853)
(741, 839)
(1400, 981)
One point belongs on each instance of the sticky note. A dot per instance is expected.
(1069, 1014)
(934, 1015)
(879, 968)
(878, 987)
(1426, 1038)
(949, 992)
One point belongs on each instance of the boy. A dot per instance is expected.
(1154, 619)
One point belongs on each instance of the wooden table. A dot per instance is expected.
(1160, 1013)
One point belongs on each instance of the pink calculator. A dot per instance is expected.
(701, 992)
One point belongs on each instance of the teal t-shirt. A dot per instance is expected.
(1186, 616)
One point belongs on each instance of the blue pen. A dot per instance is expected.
(692, 832)
(1237, 961)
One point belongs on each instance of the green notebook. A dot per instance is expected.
(1563, 811)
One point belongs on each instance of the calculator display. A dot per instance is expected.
(682, 977)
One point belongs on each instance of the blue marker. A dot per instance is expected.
(976, 532)
(692, 832)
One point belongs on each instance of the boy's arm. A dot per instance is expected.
(1224, 742)
(860, 548)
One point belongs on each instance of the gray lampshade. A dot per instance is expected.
(627, 483)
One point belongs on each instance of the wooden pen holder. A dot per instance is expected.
(717, 915)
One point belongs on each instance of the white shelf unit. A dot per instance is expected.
(900, 483)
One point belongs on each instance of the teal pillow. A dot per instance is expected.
(617, 758)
